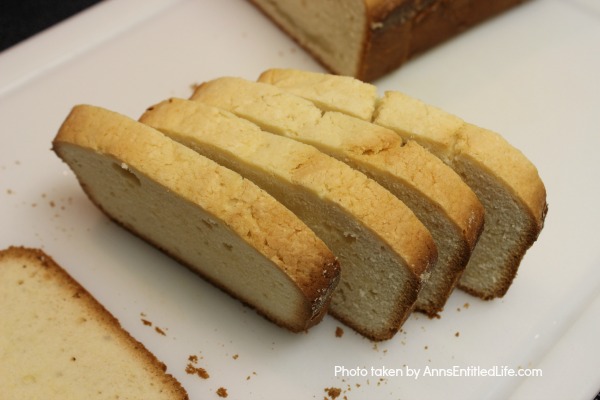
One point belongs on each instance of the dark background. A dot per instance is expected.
(21, 19)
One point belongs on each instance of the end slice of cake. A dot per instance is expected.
(58, 342)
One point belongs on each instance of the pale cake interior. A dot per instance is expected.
(333, 32)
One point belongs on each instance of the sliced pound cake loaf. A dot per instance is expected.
(384, 250)
(432, 190)
(204, 215)
(58, 342)
(505, 181)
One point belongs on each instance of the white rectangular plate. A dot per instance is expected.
(530, 74)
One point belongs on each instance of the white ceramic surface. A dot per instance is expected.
(529, 74)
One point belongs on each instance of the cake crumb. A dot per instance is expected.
(201, 372)
(146, 322)
(235, 356)
(158, 330)
(339, 332)
(222, 392)
(466, 305)
(333, 393)
(193, 358)
(457, 334)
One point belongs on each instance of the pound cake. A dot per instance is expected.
(206, 216)
(506, 182)
(385, 252)
(58, 342)
(432, 190)
(366, 39)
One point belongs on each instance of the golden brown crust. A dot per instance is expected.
(54, 274)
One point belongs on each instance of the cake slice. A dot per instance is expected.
(206, 216)
(384, 251)
(59, 342)
(505, 181)
(432, 190)
(369, 38)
